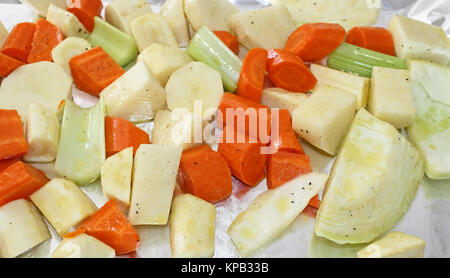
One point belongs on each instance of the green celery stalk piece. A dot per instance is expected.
(357, 60)
(207, 48)
(120, 46)
(81, 150)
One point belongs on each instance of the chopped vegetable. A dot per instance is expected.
(46, 37)
(373, 38)
(120, 13)
(19, 181)
(110, 226)
(395, 245)
(8, 65)
(121, 134)
(213, 14)
(18, 43)
(287, 71)
(282, 99)
(63, 204)
(229, 40)
(68, 49)
(85, 11)
(283, 167)
(94, 70)
(120, 46)
(5, 163)
(3, 34)
(315, 41)
(173, 12)
(12, 138)
(205, 174)
(209, 49)
(272, 212)
(315, 202)
(67, 22)
(360, 61)
(42, 6)
(81, 150)
(192, 227)
(83, 246)
(287, 140)
(253, 72)
(376, 165)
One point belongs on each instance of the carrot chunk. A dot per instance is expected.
(94, 70)
(20, 180)
(373, 38)
(85, 11)
(121, 134)
(12, 137)
(5, 163)
(8, 65)
(315, 202)
(251, 81)
(245, 160)
(285, 166)
(46, 37)
(205, 174)
(287, 139)
(110, 226)
(315, 41)
(287, 71)
(229, 40)
(18, 43)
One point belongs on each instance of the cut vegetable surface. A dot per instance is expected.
(8, 65)
(83, 246)
(121, 134)
(205, 174)
(12, 138)
(110, 226)
(18, 44)
(85, 11)
(287, 139)
(42, 6)
(285, 166)
(3, 34)
(229, 40)
(272, 212)
(282, 99)
(19, 181)
(5, 163)
(67, 22)
(376, 165)
(287, 71)
(251, 81)
(46, 37)
(395, 245)
(120, 13)
(315, 41)
(373, 38)
(68, 49)
(213, 14)
(173, 12)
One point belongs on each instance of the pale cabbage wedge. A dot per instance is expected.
(3, 34)
(348, 13)
(282, 99)
(81, 151)
(431, 130)
(272, 212)
(68, 49)
(372, 184)
(83, 246)
(67, 22)
(21, 228)
(41, 6)
(173, 12)
(119, 13)
(192, 227)
(395, 245)
(212, 13)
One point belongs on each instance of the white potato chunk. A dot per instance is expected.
(348, 13)
(391, 99)
(63, 204)
(215, 14)
(21, 228)
(83, 246)
(273, 211)
(192, 227)
(173, 12)
(154, 177)
(195, 82)
(164, 60)
(282, 99)
(325, 117)
(119, 13)
(417, 40)
(43, 83)
(266, 28)
(68, 49)
(116, 176)
(177, 129)
(152, 28)
(3, 34)
(42, 133)
(354, 84)
(135, 96)
(395, 245)
(67, 22)
(42, 6)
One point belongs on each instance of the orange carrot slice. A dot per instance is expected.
(287, 139)
(251, 81)
(8, 65)
(121, 134)
(46, 37)
(285, 166)
(229, 40)
(85, 11)
(18, 43)
(12, 137)
(373, 38)
(5, 163)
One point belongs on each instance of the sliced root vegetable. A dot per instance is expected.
(205, 174)
(18, 43)
(46, 37)
(287, 139)
(67, 22)
(315, 41)
(287, 71)
(213, 14)
(42, 6)
(121, 134)
(373, 38)
(282, 99)
(19, 181)
(272, 212)
(8, 65)
(173, 12)
(110, 226)
(395, 245)
(285, 166)
(120, 13)
(12, 138)
(3, 34)
(251, 80)
(229, 40)
(85, 11)
(68, 49)
(94, 70)
(83, 246)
